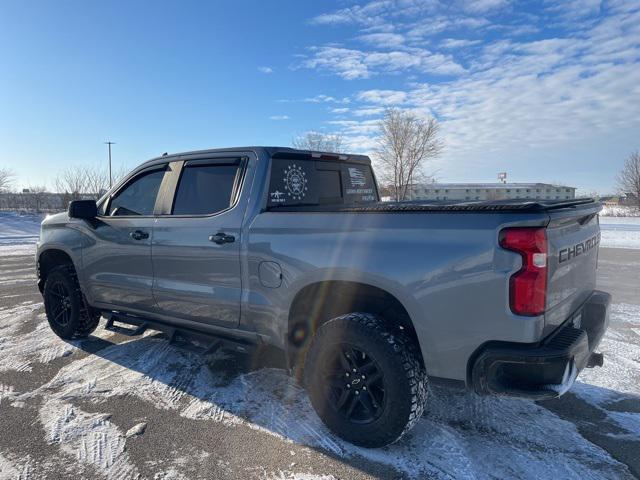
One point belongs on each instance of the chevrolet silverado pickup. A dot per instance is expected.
(369, 301)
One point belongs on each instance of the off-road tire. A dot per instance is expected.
(404, 378)
(83, 320)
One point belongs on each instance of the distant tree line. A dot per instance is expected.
(72, 183)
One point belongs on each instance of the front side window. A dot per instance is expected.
(205, 189)
(139, 196)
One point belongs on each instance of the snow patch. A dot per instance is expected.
(282, 475)
(89, 438)
(40, 345)
(619, 378)
(15, 469)
(14, 224)
(6, 392)
(18, 233)
(620, 232)
(136, 430)
(16, 250)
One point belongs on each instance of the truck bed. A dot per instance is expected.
(521, 206)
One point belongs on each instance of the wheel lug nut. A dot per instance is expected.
(363, 377)
(348, 374)
(348, 385)
(357, 392)
(364, 388)
(354, 370)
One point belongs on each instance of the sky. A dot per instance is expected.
(544, 90)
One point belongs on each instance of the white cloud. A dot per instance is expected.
(368, 111)
(382, 97)
(382, 40)
(575, 9)
(451, 43)
(352, 64)
(279, 117)
(322, 98)
(483, 6)
(266, 70)
(353, 127)
(339, 110)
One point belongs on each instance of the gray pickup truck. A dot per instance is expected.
(368, 301)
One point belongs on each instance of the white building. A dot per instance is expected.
(490, 191)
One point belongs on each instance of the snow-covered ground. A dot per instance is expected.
(620, 232)
(19, 233)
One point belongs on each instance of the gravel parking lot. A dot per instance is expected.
(115, 407)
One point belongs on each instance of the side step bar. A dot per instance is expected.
(175, 334)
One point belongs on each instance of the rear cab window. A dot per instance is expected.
(206, 188)
(296, 182)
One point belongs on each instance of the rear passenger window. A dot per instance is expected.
(205, 189)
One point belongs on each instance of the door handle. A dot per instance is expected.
(139, 235)
(221, 238)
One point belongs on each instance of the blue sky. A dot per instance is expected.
(547, 91)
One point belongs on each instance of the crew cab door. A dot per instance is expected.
(117, 259)
(196, 244)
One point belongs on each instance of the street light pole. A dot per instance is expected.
(110, 143)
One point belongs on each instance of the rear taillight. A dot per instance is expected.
(528, 286)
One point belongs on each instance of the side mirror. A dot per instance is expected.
(84, 209)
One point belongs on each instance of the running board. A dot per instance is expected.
(179, 335)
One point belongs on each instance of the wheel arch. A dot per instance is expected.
(49, 259)
(320, 301)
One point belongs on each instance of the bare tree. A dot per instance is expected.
(319, 142)
(96, 181)
(405, 145)
(629, 177)
(6, 179)
(87, 181)
(72, 182)
(35, 197)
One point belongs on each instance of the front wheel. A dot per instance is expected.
(68, 314)
(366, 382)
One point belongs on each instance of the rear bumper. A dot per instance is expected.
(546, 369)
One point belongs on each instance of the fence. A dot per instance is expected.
(45, 202)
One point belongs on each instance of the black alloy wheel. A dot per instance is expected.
(355, 384)
(68, 314)
(59, 301)
(365, 378)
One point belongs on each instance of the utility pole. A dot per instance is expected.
(110, 143)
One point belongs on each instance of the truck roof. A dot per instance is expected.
(268, 151)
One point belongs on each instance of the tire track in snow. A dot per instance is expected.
(89, 438)
(6, 392)
(15, 469)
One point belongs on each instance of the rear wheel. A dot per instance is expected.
(65, 306)
(366, 382)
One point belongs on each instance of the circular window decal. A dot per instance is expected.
(295, 182)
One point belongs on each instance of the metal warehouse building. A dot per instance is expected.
(490, 191)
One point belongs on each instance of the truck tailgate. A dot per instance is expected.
(573, 237)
